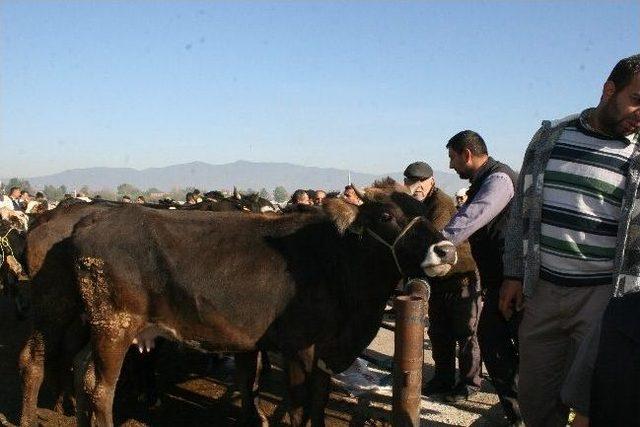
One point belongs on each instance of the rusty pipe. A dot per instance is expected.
(408, 356)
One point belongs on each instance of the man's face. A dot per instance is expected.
(621, 112)
(303, 199)
(350, 196)
(320, 195)
(15, 194)
(26, 196)
(459, 162)
(419, 188)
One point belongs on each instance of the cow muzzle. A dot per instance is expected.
(439, 259)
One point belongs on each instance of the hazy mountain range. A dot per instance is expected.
(241, 174)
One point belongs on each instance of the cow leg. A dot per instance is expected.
(31, 363)
(265, 362)
(248, 366)
(75, 339)
(100, 374)
(42, 349)
(299, 367)
(84, 380)
(320, 383)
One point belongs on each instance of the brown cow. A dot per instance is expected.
(311, 285)
(47, 239)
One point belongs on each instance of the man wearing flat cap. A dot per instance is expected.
(454, 305)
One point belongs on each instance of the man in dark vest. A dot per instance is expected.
(14, 195)
(481, 220)
(454, 305)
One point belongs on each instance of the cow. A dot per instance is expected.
(59, 224)
(311, 285)
(252, 201)
(248, 203)
(216, 201)
(58, 332)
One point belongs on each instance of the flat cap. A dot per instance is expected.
(418, 171)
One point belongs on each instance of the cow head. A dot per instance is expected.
(255, 203)
(394, 221)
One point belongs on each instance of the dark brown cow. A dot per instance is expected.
(58, 331)
(49, 231)
(311, 285)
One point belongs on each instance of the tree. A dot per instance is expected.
(84, 190)
(263, 193)
(280, 194)
(127, 189)
(23, 184)
(54, 193)
(105, 194)
(177, 193)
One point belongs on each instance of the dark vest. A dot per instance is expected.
(16, 205)
(487, 244)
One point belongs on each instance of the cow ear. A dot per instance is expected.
(342, 214)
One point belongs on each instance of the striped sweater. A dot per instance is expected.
(522, 255)
(583, 187)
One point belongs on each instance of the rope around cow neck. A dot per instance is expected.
(392, 246)
(4, 243)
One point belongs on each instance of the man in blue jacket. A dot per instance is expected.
(481, 220)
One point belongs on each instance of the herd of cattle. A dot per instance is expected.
(223, 275)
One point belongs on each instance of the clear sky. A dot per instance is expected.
(366, 86)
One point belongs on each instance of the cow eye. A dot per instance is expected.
(385, 217)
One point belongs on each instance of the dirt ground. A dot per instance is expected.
(195, 392)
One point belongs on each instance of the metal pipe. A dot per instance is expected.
(408, 355)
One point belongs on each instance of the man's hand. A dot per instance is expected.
(510, 297)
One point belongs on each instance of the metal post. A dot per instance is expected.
(408, 359)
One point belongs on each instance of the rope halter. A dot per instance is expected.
(392, 246)
(4, 244)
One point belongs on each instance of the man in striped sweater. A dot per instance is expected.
(567, 241)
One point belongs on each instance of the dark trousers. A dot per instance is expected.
(499, 345)
(453, 319)
(615, 391)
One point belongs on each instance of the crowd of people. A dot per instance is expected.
(553, 309)
(317, 197)
(21, 200)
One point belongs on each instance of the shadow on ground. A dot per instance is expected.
(196, 392)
